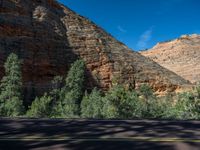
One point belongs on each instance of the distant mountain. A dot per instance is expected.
(49, 37)
(181, 56)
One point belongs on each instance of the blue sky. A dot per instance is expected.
(140, 24)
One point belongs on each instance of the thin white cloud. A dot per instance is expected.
(121, 29)
(145, 38)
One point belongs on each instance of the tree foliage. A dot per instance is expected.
(66, 100)
(11, 103)
(187, 106)
(41, 107)
(62, 101)
(72, 92)
(55, 93)
(92, 104)
(121, 103)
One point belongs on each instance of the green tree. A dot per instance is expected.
(41, 107)
(49, 105)
(55, 93)
(198, 91)
(11, 103)
(92, 104)
(162, 107)
(146, 91)
(62, 101)
(157, 108)
(151, 105)
(122, 103)
(187, 106)
(73, 90)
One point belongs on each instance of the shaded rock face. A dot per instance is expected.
(181, 56)
(34, 31)
(49, 37)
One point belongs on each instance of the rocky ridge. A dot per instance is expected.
(181, 56)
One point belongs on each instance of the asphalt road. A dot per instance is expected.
(19, 134)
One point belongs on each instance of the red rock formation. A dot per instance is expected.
(49, 37)
(181, 56)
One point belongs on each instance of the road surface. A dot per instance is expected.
(41, 134)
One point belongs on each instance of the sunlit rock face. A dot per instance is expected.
(49, 37)
(181, 56)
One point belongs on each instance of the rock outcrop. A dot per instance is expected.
(181, 56)
(49, 37)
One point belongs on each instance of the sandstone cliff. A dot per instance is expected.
(181, 56)
(49, 37)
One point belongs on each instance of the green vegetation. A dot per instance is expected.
(41, 107)
(11, 103)
(62, 101)
(122, 103)
(66, 99)
(92, 104)
(72, 92)
(186, 107)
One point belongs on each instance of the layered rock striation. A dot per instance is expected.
(181, 56)
(49, 37)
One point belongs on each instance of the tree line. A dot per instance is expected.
(71, 101)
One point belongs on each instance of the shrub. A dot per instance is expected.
(41, 107)
(198, 91)
(147, 92)
(186, 107)
(92, 104)
(158, 108)
(70, 105)
(153, 106)
(122, 103)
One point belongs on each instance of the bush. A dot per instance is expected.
(147, 92)
(186, 107)
(92, 104)
(70, 105)
(41, 107)
(154, 107)
(121, 103)
(157, 108)
(198, 91)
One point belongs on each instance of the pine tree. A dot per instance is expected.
(73, 90)
(11, 103)
(41, 107)
(92, 104)
(55, 93)
(62, 101)
(49, 105)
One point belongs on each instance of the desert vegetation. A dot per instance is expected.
(68, 99)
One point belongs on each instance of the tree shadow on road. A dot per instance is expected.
(102, 134)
